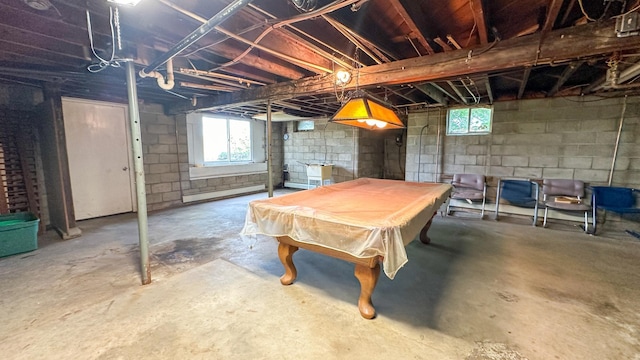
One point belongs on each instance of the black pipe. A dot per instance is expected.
(198, 33)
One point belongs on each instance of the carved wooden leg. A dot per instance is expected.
(285, 253)
(368, 278)
(423, 233)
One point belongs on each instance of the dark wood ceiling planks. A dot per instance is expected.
(53, 45)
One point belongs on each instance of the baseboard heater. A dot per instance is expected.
(222, 193)
(292, 185)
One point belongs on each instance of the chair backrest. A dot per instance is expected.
(518, 192)
(609, 196)
(472, 181)
(564, 187)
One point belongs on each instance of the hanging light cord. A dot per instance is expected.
(114, 22)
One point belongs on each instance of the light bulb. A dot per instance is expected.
(377, 123)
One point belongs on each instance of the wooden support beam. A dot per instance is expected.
(433, 92)
(415, 31)
(566, 74)
(523, 84)
(457, 91)
(489, 91)
(567, 12)
(560, 45)
(443, 44)
(479, 16)
(552, 14)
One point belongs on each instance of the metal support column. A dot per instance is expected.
(269, 151)
(136, 144)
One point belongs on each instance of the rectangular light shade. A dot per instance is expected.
(367, 113)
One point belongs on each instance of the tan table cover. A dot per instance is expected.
(363, 217)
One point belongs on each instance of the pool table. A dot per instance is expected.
(363, 221)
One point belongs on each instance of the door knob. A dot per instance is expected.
(125, 168)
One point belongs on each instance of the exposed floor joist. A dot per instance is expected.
(560, 46)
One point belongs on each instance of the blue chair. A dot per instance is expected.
(620, 200)
(518, 192)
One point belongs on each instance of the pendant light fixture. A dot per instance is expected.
(363, 111)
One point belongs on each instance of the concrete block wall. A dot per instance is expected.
(161, 160)
(328, 143)
(166, 161)
(353, 152)
(371, 151)
(394, 155)
(570, 138)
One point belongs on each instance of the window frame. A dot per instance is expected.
(228, 162)
(199, 169)
(468, 131)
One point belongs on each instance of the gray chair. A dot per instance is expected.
(469, 187)
(564, 195)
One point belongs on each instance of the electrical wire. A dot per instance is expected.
(475, 24)
(103, 63)
(584, 12)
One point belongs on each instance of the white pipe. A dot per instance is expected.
(615, 150)
(165, 84)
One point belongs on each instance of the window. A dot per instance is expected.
(469, 121)
(226, 140)
(225, 146)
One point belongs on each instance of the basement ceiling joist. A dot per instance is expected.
(408, 51)
(559, 46)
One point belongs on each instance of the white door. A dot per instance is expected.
(99, 154)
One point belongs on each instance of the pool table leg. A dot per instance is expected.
(423, 233)
(285, 253)
(368, 278)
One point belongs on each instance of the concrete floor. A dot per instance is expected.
(482, 290)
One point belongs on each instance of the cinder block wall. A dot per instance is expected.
(394, 155)
(570, 138)
(327, 143)
(166, 161)
(353, 152)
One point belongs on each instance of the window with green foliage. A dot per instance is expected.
(469, 121)
(226, 140)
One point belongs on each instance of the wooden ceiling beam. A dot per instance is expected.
(42, 42)
(552, 14)
(479, 15)
(415, 31)
(261, 62)
(432, 92)
(457, 91)
(443, 44)
(566, 74)
(489, 90)
(36, 54)
(560, 46)
(567, 12)
(523, 83)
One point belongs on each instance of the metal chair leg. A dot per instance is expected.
(544, 222)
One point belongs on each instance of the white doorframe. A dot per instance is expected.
(127, 143)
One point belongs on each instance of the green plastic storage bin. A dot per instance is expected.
(18, 233)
